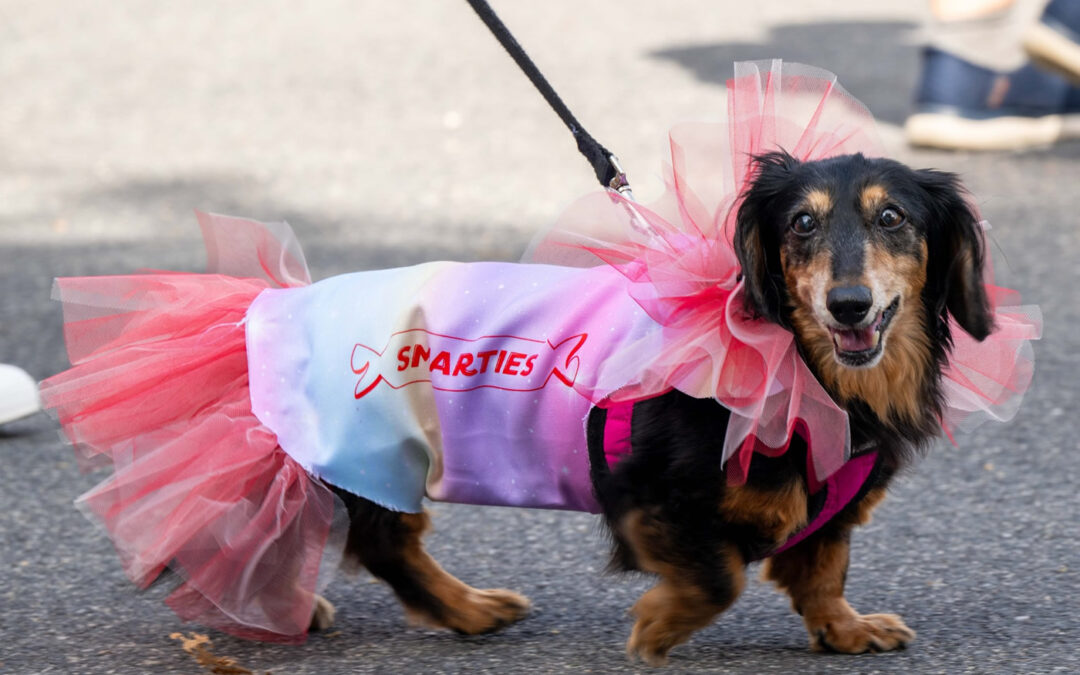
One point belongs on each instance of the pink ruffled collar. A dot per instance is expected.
(679, 256)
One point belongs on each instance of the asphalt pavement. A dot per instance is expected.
(395, 133)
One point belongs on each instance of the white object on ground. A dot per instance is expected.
(18, 394)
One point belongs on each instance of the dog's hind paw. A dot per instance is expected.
(859, 634)
(478, 611)
(491, 609)
(322, 617)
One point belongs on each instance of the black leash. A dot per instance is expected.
(604, 164)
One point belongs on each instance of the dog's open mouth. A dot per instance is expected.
(861, 346)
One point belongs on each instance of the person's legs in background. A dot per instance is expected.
(1054, 40)
(978, 90)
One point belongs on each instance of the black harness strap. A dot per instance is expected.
(604, 164)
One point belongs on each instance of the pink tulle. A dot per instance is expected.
(987, 380)
(678, 253)
(158, 386)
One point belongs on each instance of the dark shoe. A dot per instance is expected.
(962, 106)
(1055, 40)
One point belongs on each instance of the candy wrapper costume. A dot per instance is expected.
(224, 400)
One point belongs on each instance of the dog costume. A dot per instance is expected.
(225, 400)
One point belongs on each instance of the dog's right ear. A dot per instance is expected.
(755, 245)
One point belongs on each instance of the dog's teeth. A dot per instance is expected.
(876, 339)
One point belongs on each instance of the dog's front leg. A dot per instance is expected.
(813, 573)
(697, 582)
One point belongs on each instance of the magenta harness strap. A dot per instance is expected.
(840, 488)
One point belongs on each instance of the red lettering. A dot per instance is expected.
(419, 354)
(484, 358)
(403, 358)
(441, 363)
(512, 363)
(462, 367)
(499, 363)
(529, 365)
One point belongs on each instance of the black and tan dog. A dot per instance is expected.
(864, 260)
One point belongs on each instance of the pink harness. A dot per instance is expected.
(840, 488)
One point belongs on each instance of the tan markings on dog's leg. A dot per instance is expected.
(865, 509)
(322, 617)
(465, 609)
(813, 573)
(777, 512)
(671, 611)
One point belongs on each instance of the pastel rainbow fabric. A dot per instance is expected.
(221, 399)
(470, 382)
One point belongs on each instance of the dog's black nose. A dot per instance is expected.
(849, 304)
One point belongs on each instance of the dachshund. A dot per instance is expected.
(864, 260)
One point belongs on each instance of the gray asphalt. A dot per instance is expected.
(393, 133)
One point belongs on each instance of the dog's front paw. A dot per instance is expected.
(858, 634)
(322, 617)
(650, 641)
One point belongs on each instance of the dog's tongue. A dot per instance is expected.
(856, 340)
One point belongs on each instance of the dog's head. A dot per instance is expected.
(863, 259)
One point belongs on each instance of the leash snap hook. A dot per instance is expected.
(619, 182)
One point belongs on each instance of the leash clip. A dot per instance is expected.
(619, 182)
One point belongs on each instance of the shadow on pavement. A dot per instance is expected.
(858, 52)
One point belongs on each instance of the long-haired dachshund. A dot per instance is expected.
(864, 260)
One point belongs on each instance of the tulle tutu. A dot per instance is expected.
(678, 253)
(159, 388)
(987, 380)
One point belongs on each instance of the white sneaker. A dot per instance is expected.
(18, 394)
(963, 106)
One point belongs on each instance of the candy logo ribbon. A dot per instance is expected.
(451, 363)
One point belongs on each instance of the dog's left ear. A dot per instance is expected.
(955, 243)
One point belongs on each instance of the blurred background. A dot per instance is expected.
(389, 133)
(393, 125)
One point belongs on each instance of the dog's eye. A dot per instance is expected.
(891, 219)
(803, 225)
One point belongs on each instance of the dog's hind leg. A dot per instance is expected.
(322, 617)
(695, 584)
(813, 573)
(388, 544)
